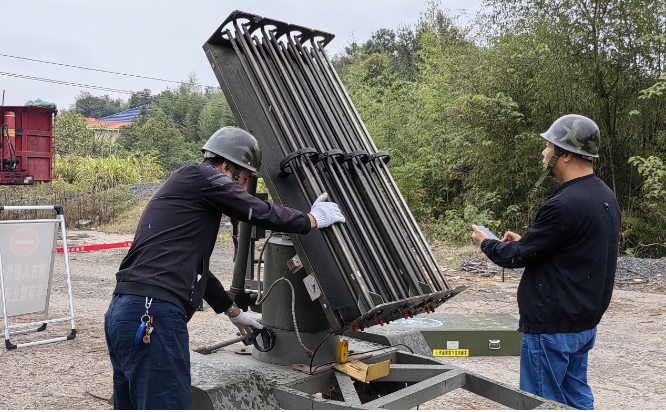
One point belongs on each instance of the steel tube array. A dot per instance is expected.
(400, 206)
(309, 183)
(380, 249)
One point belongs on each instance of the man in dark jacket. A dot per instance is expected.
(570, 256)
(165, 275)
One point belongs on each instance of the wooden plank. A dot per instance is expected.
(306, 368)
(363, 372)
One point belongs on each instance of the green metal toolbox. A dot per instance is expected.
(450, 335)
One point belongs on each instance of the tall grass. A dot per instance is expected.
(92, 174)
(88, 188)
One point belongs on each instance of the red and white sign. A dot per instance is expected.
(90, 248)
(24, 242)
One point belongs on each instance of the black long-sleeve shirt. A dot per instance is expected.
(177, 233)
(570, 257)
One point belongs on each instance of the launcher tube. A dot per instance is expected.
(310, 118)
(258, 70)
(299, 133)
(385, 173)
(338, 170)
(337, 174)
(397, 235)
(334, 116)
(293, 164)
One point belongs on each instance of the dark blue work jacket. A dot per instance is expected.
(569, 255)
(169, 259)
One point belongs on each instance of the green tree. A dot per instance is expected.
(140, 99)
(88, 105)
(155, 133)
(183, 105)
(73, 137)
(460, 108)
(214, 115)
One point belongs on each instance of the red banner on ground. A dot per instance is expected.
(94, 247)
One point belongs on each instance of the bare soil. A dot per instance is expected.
(626, 367)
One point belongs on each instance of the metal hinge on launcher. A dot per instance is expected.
(294, 264)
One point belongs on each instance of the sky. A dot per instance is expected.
(161, 39)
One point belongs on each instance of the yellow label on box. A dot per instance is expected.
(450, 352)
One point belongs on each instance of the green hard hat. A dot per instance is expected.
(237, 146)
(576, 134)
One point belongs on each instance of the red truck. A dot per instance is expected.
(26, 144)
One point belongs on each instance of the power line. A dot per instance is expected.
(88, 68)
(66, 83)
(102, 88)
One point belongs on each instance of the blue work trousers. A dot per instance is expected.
(554, 366)
(153, 375)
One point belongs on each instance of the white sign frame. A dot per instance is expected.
(58, 221)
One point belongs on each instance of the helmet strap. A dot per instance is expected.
(556, 155)
(235, 170)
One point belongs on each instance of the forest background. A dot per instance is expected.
(459, 106)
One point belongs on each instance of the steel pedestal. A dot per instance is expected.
(226, 380)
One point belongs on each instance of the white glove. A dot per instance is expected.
(326, 213)
(245, 323)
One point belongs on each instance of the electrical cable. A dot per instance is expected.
(362, 353)
(261, 256)
(99, 88)
(631, 271)
(315, 352)
(66, 83)
(643, 278)
(293, 307)
(88, 68)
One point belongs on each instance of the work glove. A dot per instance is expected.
(245, 323)
(326, 213)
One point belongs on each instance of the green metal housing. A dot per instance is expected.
(452, 335)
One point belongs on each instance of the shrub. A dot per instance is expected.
(92, 175)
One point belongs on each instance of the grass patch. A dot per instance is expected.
(127, 221)
(451, 257)
(224, 236)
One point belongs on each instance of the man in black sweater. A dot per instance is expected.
(165, 276)
(570, 256)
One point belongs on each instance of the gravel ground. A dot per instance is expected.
(141, 191)
(646, 275)
(626, 367)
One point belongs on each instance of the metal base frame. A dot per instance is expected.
(226, 380)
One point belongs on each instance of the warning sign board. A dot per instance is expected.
(24, 242)
(27, 250)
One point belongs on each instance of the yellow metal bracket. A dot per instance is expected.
(342, 352)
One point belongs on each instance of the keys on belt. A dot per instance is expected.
(146, 326)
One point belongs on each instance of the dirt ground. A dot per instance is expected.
(626, 367)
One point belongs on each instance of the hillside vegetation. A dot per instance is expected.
(459, 107)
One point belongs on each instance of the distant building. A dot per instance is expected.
(115, 121)
(107, 129)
